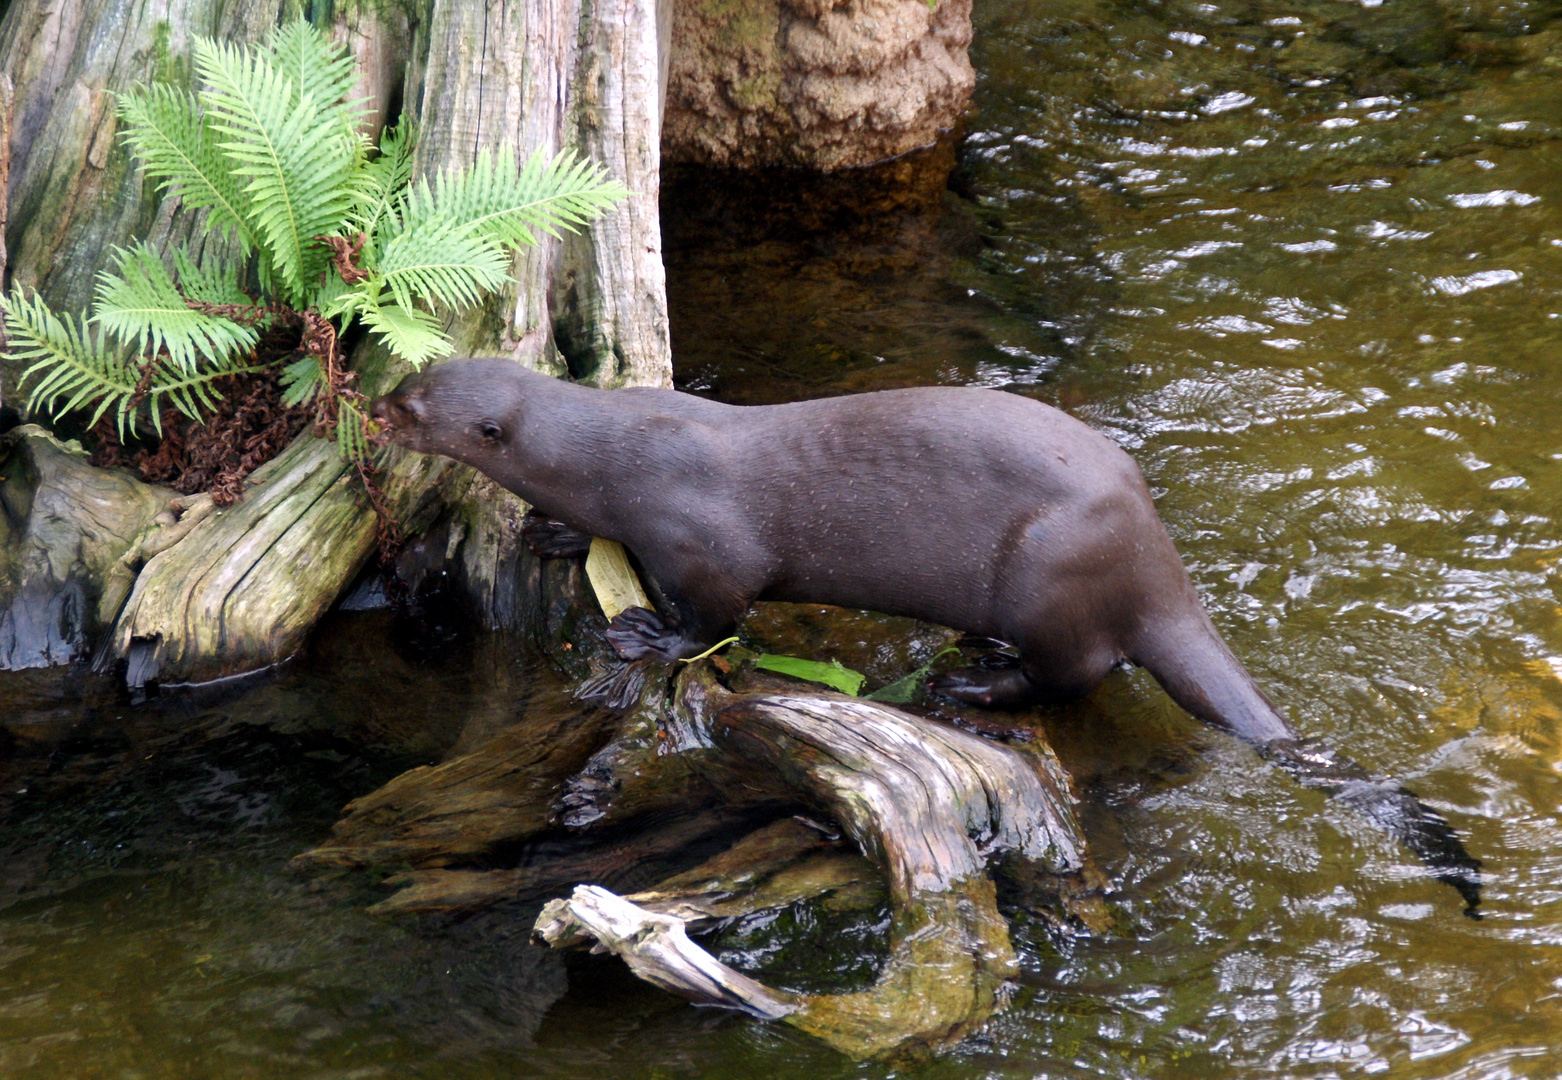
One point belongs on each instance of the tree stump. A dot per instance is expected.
(243, 586)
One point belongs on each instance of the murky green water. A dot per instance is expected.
(1304, 259)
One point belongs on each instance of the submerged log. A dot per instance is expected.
(922, 814)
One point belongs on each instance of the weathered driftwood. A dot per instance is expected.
(556, 866)
(65, 528)
(931, 805)
(784, 863)
(657, 949)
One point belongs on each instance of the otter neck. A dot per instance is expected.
(560, 454)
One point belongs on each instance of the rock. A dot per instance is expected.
(66, 529)
(822, 84)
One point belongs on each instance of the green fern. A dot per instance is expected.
(297, 154)
(140, 303)
(178, 147)
(492, 200)
(74, 369)
(269, 148)
(384, 178)
(409, 333)
(217, 284)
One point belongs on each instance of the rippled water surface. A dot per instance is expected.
(1304, 260)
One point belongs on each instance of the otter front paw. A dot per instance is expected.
(635, 633)
(551, 539)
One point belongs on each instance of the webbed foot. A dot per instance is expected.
(549, 539)
(990, 688)
(636, 633)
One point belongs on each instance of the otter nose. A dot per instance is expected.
(396, 410)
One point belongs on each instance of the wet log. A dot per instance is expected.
(929, 804)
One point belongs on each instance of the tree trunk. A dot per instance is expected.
(245, 585)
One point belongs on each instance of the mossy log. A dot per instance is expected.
(245, 584)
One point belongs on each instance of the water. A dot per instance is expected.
(1325, 320)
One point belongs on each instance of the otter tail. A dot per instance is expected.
(1202, 675)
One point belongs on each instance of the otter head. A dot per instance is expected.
(465, 409)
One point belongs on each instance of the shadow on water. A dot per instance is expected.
(1301, 258)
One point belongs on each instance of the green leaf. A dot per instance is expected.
(350, 441)
(493, 201)
(303, 56)
(832, 674)
(73, 370)
(139, 304)
(908, 688)
(441, 264)
(295, 150)
(216, 284)
(381, 183)
(71, 367)
(413, 335)
(301, 381)
(178, 147)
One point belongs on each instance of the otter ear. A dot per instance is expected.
(489, 430)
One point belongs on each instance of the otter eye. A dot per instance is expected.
(490, 430)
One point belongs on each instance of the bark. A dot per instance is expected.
(546, 75)
(65, 528)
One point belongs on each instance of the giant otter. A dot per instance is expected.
(976, 509)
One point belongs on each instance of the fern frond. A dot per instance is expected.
(293, 150)
(71, 366)
(492, 200)
(192, 394)
(301, 380)
(218, 283)
(319, 72)
(413, 335)
(140, 304)
(350, 441)
(177, 146)
(441, 264)
(382, 181)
